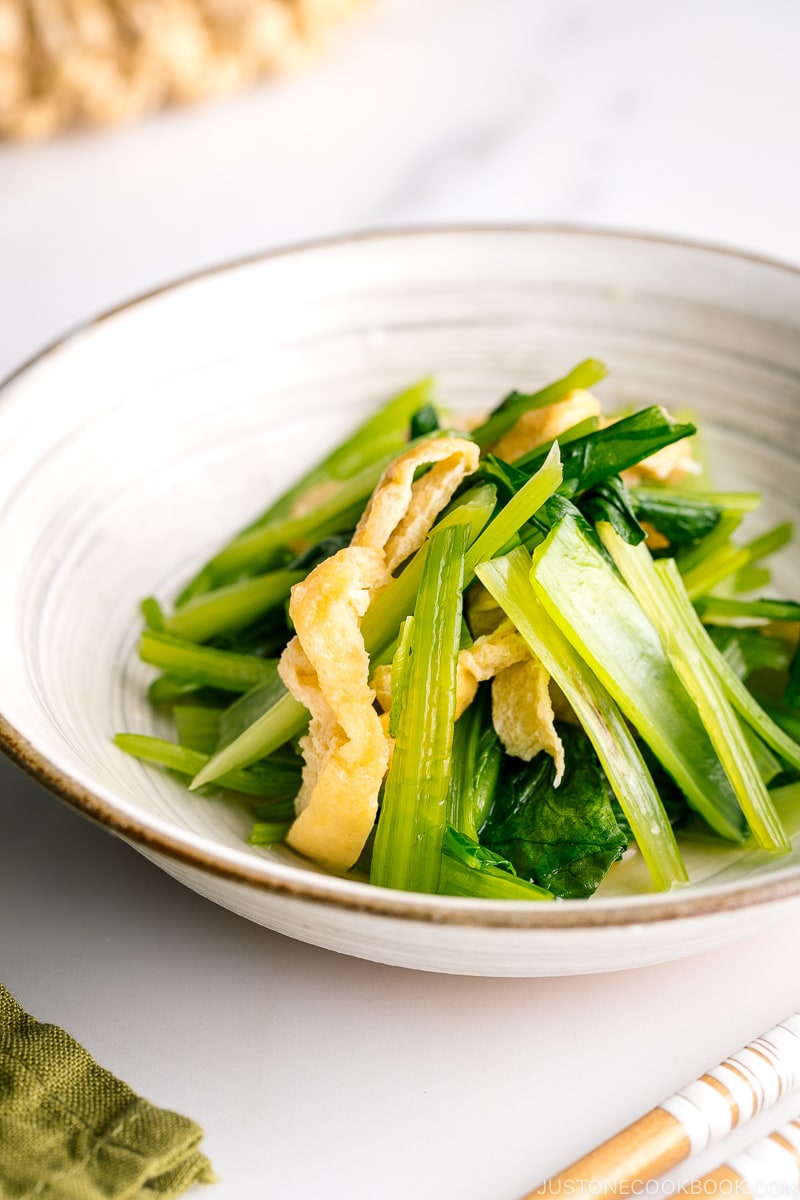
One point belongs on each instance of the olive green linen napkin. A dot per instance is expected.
(69, 1130)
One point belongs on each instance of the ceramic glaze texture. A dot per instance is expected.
(131, 451)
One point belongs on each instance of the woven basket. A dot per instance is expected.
(68, 62)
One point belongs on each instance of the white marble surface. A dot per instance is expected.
(313, 1073)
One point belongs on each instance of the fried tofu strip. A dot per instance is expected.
(522, 713)
(669, 465)
(401, 511)
(541, 425)
(486, 658)
(326, 667)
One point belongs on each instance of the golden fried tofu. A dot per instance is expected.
(402, 510)
(669, 465)
(482, 611)
(522, 713)
(489, 654)
(539, 426)
(326, 667)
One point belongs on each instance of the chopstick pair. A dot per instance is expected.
(700, 1114)
(770, 1167)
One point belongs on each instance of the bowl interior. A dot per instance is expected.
(132, 450)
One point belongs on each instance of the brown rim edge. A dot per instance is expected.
(497, 914)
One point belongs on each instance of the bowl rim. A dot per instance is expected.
(350, 895)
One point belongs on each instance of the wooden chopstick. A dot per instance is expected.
(695, 1117)
(770, 1167)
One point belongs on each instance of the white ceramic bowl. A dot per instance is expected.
(134, 448)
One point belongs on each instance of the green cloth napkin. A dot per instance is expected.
(70, 1131)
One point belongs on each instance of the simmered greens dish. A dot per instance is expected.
(490, 658)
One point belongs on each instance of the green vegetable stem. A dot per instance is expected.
(599, 615)
(508, 580)
(700, 668)
(413, 817)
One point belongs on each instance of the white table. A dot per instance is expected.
(313, 1073)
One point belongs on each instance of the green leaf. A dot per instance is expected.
(589, 460)
(610, 501)
(469, 869)
(424, 421)
(563, 839)
(791, 695)
(681, 517)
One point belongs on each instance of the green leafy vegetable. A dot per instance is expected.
(747, 649)
(589, 460)
(682, 699)
(683, 518)
(424, 421)
(563, 839)
(791, 696)
(469, 869)
(610, 501)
